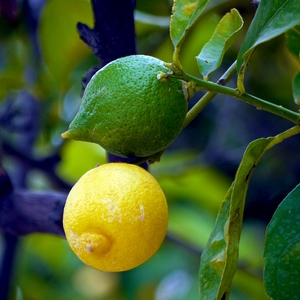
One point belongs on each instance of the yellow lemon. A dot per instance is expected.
(115, 217)
(130, 108)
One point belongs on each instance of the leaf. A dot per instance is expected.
(271, 19)
(293, 41)
(282, 249)
(184, 15)
(296, 88)
(220, 256)
(293, 44)
(224, 36)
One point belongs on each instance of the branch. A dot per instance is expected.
(113, 35)
(260, 104)
(46, 164)
(24, 212)
(10, 243)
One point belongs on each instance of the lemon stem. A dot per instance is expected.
(201, 104)
(215, 88)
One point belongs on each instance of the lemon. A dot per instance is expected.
(115, 217)
(128, 110)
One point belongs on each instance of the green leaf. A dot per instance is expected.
(282, 249)
(293, 44)
(184, 15)
(224, 36)
(220, 257)
(296, 88)
(271, 19)
(293, 41)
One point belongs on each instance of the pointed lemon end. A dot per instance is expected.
(95, 243)
(66, 135)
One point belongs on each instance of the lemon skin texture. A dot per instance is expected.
(115, 217)
(129, 111)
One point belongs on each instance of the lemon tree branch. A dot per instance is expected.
(200, 105)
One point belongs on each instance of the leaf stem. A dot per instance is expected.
(283, 136)
(240, 80)
(200, 105)
(214, 88)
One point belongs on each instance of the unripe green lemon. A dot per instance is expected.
(129, 110)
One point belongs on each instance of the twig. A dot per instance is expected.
(46, 164)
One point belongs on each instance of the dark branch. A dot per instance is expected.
(46, 164)
(113, 35)
(23, 212)
(5, 183)
(7, 260)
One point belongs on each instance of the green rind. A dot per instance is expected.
(128, 111)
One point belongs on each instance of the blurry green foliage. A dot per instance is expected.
(78, 158)
(61, 48)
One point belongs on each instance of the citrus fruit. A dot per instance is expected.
(115, 217)
(128, 110)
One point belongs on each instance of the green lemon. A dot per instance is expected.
(130, 109)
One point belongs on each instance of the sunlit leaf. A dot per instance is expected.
(70, 167)
(282, 249)
(187, 221)
(184, 15)
(271, 19)
(225, 35)
(296, 88)
(202, 186)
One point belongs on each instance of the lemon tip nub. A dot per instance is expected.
(96, 243)
(65, 135)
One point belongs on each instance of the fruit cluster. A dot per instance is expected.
(116, 215)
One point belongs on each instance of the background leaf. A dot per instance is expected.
(271, 19)
(293, 41)
(224, 36)
(296, 88)
(220, 257)
(184, 15)
(61, 46)
(282, 249)
(293, 44)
